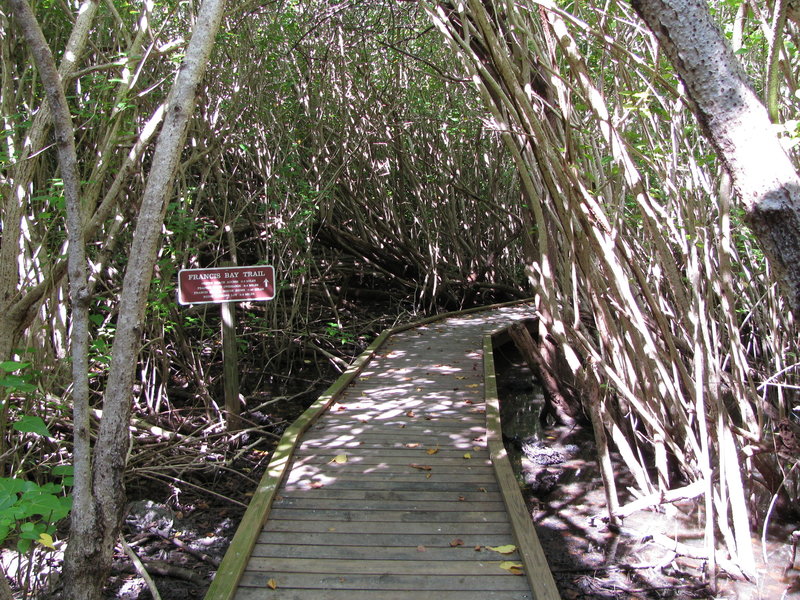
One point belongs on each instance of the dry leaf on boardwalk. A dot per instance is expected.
(420, 467)
(514, 568)
(507, 549)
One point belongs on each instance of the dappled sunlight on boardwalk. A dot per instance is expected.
(391, 493)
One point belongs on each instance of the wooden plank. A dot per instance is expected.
(348, 495)
(365, 454)
(480, 566)
(536, 568)
(384, 581)
(451, 504)
(340, 541)
(453, 422)
(456, 529)
(390, 516)
(420, 484)
(372, 594)
(419, 552)
(476, 478)
(233, 563)
(346, 461)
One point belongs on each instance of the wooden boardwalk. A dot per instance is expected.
(395, 483)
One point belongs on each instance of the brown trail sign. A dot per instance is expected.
(225, 285)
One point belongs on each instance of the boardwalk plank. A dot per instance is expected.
(451, 504)
(454, 529)
(372, 524)
(316, 594)
(384, 581)
(387, 516)
(344, 540)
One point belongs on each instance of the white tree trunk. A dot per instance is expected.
(99, 499)
(737, 124)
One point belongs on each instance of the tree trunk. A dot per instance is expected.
(541, 360)
(737, 125)
(16, 308)
(100, 498)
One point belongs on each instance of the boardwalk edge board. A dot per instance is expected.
(542, 584)
(232, 568)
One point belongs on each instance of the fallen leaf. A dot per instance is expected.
(473, 385)
(461, 498)
(272, 584)
(432, 450)
(478, 548)
(507, 549)
(428, 475)
(421, 549)
(514, 568)
(456, 542)
(461, 376)
(476, 448)
(410, 414)
(482, 489)
(420, 467)
(339, 459)
(467, 455)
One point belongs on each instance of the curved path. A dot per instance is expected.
(394, 484)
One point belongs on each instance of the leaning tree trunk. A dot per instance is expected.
(99, 497)
(737, 125)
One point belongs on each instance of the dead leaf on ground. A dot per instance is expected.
(272, 584)
(456, 542)
(467, 455)
(514, 568)
(506, 549)
(339, 459)
(420, 467)
(410, 414)
(432, 450)
(421, 548)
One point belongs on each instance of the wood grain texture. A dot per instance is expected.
(385, 488)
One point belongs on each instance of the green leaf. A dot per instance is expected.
(9, 366)
(63, 470)
(32, 424)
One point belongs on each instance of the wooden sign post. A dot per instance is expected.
(224, 286)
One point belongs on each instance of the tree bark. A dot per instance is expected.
(541, 360)
(100, 499)
(738, 126)
(16, 308)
